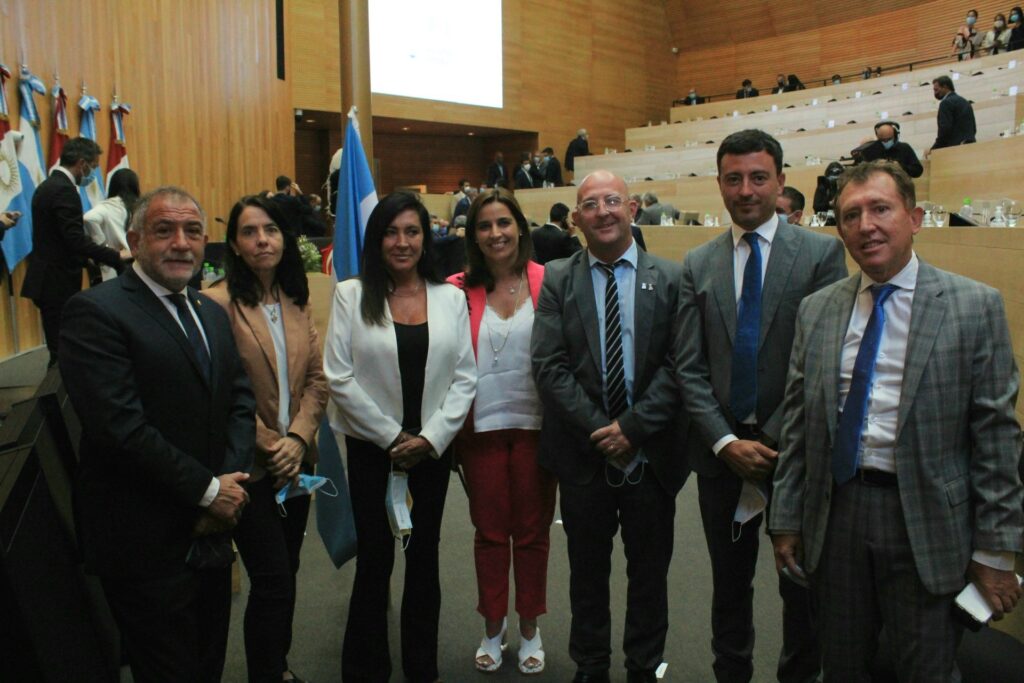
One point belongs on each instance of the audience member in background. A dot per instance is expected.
(655, 210)
(1016, 28)
(398, 414)
(461, 192)
(997, 39)
(266, 298)
(552, 240)
(166, 410)
(692, 98)
(497, 175)
(524, 173)
(638, 199)
(748, 90)
(955, 118)
(866, 73)
(898, 474)
(795, 83)
(462, 206)
(578, 147)
(837, 79)
(295, 208)
(737, 307)
(108, 221)
(780, 84)
(449, 248)
(790, 205)
(612, 427)
(511, 498)
(537, 163)
(887, 146)
(60, 244)
(552, 169)
(967, 40)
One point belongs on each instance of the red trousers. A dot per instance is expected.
(511, 503)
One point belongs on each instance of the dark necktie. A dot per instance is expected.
(743, 383)
(195, 338)
(615, 375)
(851, 422)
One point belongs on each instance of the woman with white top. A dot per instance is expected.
(511, 498)
(107, 222)
(400, 369)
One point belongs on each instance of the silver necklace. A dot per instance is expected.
(496, 350)
(272, 309)
(394, 290)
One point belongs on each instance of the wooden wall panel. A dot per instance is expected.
(208, 112)
(435, 161)
(313, 49)
(724, 42)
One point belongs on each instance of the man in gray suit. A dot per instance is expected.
(898, 475)
(653, 210)
(734, 330)
(612, 426)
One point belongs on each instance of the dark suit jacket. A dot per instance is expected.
(550, 242)
(740, 95)
(60, 244)
(578, 147)
(299, 215)
(956, 122)
(553, 172)
(902, 153)
(461, 207)
(497, 175)
(566, 351)
(800, 262)
(524, 180)
(154, 432)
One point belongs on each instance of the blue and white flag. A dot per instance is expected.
(21, 165)
(357, 197)
(92, 194)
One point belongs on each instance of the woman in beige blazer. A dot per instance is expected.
(265, 295)
(399, 363)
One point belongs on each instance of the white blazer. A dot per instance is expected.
(105, 224)
(361, 365)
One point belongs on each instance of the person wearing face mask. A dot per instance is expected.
(967, 40)
(790, 205)
(1016, 26)
(692, 98)
(956, 116)
(781, 85)
(887, 146)
(998, 38)
(524, 176)
(552, 169)
(747, 91)
(60, 243)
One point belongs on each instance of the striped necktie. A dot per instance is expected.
(615, 375)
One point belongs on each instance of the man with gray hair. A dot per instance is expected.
(578, 147)
(654, 210)
(168, 432)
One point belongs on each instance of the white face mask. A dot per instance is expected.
(753, 501)
(398, 501)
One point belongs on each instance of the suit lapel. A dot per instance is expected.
(724, 286)
(257, 324)
(834, 322)
(776, 277)
(586, 306)
(926, 317)
(645, 298)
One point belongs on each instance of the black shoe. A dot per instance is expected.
(641, 677)
(591, 678)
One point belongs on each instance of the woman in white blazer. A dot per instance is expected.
(399, 363)
(107, 222)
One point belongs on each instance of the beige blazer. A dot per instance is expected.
(306, 384)
(361, 365)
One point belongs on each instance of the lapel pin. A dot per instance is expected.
(648, 286)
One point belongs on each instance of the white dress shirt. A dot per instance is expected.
(506, 396)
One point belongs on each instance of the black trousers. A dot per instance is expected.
(269, 544)
(174, 628)
(49, 312)
(592, 514)
(732, 603)
(365, 655)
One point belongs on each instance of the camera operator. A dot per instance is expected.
(826, 191)
(887, 146)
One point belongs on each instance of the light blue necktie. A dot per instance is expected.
(851, 422)
(743, 383)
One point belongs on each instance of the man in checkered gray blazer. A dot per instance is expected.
(897, 479)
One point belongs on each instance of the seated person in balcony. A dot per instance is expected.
(781, 85)
(997, 39)
(747, 90)
(837, 79)
(887, 146)
(1016, 28)
(967, 40)
(653, 210)
(692, 98)
(795, 83)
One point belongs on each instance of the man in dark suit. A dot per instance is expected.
(497, 176)
(748, 90)
(955, 118)
(653, 210)
(898, 478)
(552, 240)
(737, 305)
(524, 173)
(60, 245)
(462, 206)
(612, 426)
(296, 209)
(552, 168)
(168, 432)
(578, 147)
(887, 146)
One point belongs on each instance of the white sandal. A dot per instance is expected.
(531, 649)
(492, 647)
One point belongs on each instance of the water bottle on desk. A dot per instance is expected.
(998, 218)
(966, 211)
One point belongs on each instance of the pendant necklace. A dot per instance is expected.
(496, 350)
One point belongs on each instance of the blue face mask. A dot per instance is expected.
(970, 21)
(888, 143)
(307, 484)
(1014, 18)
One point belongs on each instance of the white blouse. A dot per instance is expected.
(506, 397)
(105, 225)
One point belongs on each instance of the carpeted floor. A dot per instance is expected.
(324, 594)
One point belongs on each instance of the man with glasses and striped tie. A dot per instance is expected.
(897, 479)
(612, 429)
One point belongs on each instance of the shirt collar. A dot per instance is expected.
(629, 257)
(68, 173)
(158, 289)
(905, 279)
(766, 230)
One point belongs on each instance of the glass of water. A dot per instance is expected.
(1012, 215)
(939, 216)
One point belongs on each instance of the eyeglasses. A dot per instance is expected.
(611, 202)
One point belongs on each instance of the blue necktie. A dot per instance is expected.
(743, 383)
(615, 375)
(851, 422)
(195, 337)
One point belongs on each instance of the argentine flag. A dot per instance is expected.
(356, 199)
(92, 194)
(21, 166)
